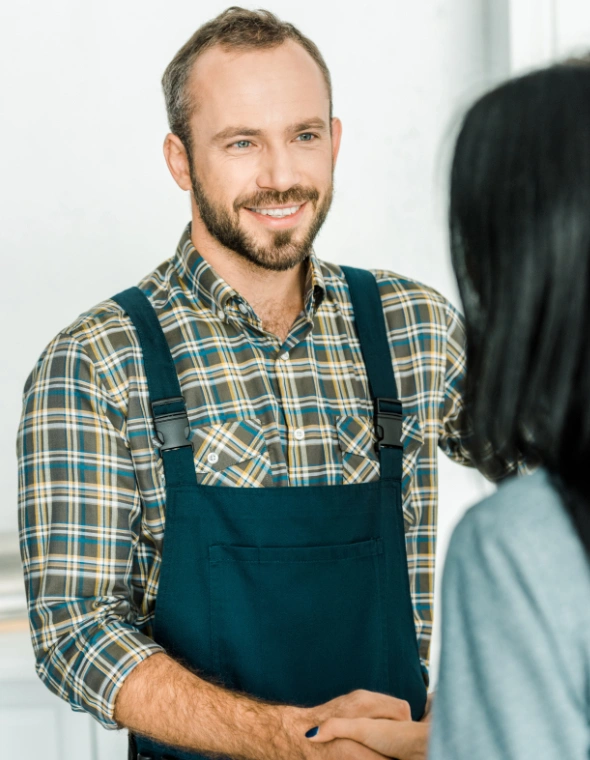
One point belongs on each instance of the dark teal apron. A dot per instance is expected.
(292, 594)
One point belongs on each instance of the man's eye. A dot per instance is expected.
(241, 144)
(307, 135)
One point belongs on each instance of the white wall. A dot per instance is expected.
(542, 31)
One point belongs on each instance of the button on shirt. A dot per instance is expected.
(91, 484)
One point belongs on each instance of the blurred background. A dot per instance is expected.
(88, 205)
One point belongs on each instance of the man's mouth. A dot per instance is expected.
(277, 213)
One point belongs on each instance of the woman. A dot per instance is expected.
(515, 662)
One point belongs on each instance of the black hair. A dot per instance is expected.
(519, 220)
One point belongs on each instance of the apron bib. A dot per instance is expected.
(292, 594)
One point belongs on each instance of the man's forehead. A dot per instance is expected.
(284, 82)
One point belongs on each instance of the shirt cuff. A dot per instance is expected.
(88, 668)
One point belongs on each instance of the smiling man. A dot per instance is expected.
(257, 147)
(228, 474)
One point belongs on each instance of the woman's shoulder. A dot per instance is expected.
(524, 530)
(522, 504)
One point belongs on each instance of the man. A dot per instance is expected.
(211, 466)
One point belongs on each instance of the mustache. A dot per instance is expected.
(295, 195)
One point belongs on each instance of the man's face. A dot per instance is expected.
(262, 157)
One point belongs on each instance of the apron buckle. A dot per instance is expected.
(388, 418)
(171, 423)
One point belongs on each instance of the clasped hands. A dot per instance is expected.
(362, 725)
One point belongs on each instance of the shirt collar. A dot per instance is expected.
(213, 292)
(315, 287)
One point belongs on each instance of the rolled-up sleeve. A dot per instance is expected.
(79, 517)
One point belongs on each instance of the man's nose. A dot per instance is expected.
(278, 170)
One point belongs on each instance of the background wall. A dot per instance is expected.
(88, 206)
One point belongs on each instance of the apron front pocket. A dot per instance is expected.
(231, 454)
(299, 625)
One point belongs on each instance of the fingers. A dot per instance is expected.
(347, 749)
(343, 728)
(369, 704)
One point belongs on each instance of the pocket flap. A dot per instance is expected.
(412, 437)
(356, 435)
(224, 444)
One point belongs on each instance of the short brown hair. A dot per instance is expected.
(234, 29)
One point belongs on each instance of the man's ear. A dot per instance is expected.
(177, 160)
(336, 137)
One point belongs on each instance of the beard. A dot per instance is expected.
(283, 252)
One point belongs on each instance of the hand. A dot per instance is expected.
(392, 734)
(363, 704)
(405, 740)
(359, 704)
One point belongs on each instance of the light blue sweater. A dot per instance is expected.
(514, 680)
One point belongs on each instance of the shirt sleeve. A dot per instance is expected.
(79, 517)
(455, 427)
(504, 690)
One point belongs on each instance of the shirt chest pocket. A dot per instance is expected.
(231, 454)
(360, 461)
(356, 439)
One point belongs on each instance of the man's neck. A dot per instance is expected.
(276, 297)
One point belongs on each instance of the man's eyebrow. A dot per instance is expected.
(229, 132)
(310, 124)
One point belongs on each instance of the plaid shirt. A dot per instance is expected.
(91, 488)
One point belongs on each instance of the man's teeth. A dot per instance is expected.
(277, 212)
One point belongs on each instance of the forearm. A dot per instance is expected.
(170, 704)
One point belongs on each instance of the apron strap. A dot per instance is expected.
(372, 333)
(169, 410)
(168, 407)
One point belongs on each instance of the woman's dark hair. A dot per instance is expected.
(520, 242)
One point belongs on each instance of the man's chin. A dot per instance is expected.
(283, 253)
(277, 261)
